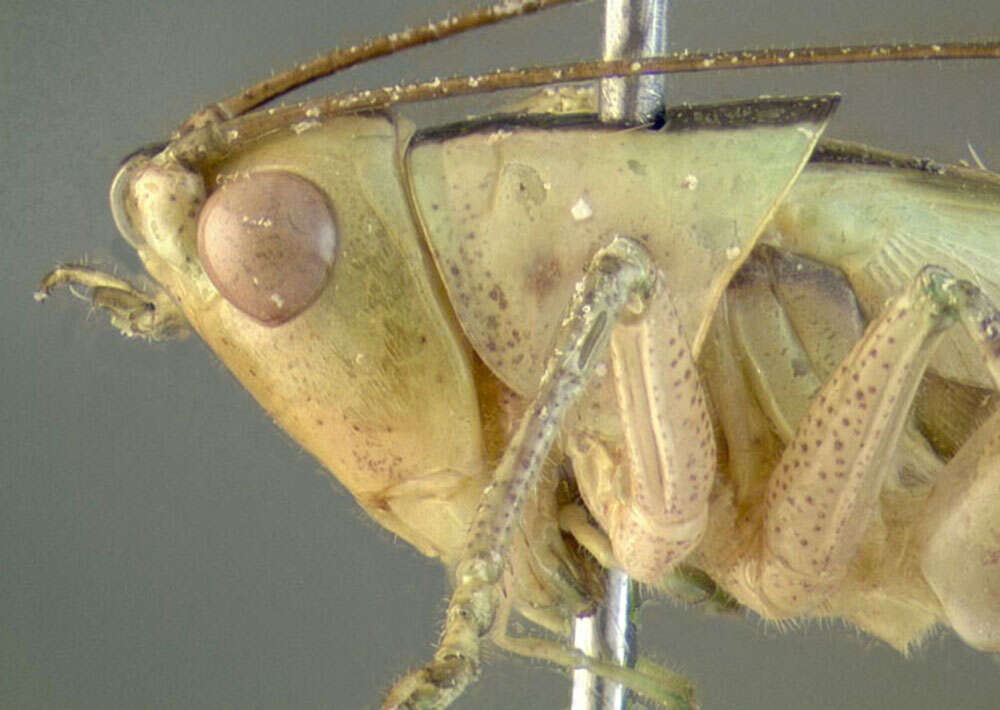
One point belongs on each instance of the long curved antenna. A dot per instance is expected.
(214, 141)
(339, 59)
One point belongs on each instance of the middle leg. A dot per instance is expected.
(826, 487)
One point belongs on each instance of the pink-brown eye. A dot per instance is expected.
(267, 242)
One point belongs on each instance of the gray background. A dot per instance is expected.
(163, 545)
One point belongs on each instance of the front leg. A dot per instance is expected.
(621, 277)
(132, 311)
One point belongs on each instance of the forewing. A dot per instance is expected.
(880, 225)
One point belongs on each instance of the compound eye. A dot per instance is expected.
(267, 241)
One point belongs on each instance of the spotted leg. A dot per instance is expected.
(620, 279)
(826, 485)
(961, 555)
(652, 501)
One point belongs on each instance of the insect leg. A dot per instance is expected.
(655, 682)
(826, 485)
(620, 278)
(654, 503)
(961, 555)
(652, 681)
(135, 313)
